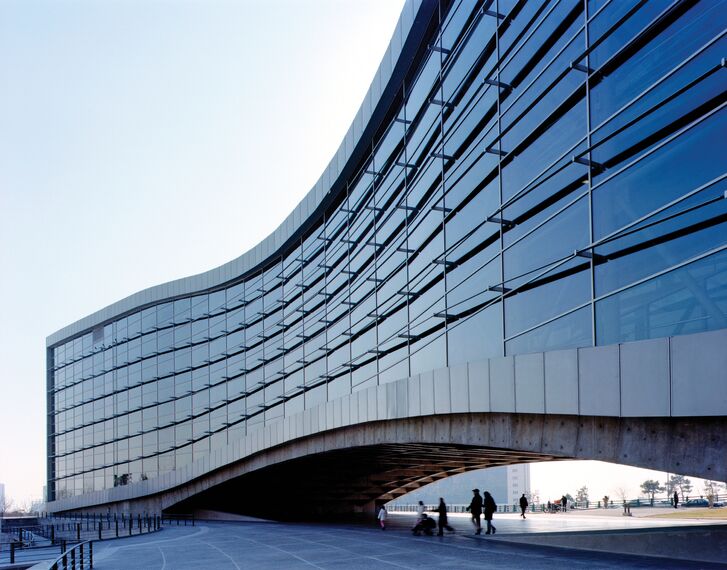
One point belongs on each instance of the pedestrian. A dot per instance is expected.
(490, 508)
(564, 503)
(550, 507)
(676, 499)
(382, 517)
(476, 509)
(426, 525)
(420, 511)
(523, 505)
(442, 522)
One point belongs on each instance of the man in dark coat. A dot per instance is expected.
(476, 509)
(676, 499)
(490, 508)
(442, 522)
(523, 505)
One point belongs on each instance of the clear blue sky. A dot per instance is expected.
(142, 141)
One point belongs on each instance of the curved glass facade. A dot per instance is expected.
(551, 175)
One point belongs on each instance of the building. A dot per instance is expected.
(522, 178)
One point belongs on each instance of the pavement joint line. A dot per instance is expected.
(284, 552)
(223, 553)
(164, 558)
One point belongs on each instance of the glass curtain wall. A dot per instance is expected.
(552, 178)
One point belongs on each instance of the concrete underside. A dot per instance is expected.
(352, 469)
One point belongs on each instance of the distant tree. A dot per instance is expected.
(622, 494)
(711, 491)
(681, 484)
(651, 487)
(582, 494)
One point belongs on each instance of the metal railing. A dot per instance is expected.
(178, 519)
(78, 557)
(555, 506)
(39, 542)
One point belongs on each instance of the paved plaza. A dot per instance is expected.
(234, 546)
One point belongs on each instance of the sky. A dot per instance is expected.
(142, 141)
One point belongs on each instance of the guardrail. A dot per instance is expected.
(38, 542)
(79, 557)
(555, 506)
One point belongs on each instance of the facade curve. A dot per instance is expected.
(526, 183)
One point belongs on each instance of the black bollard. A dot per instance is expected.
(100, 527)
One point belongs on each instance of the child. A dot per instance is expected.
(382, 517)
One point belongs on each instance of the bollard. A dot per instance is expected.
(90, 554)
(100, 527)
(131, 526)
(116, 522)
(63, 545)
(12, 553)
(78, 532)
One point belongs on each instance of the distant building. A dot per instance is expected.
(506, 484)
(2, 496)
(518, 482)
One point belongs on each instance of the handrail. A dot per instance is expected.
(72, 558)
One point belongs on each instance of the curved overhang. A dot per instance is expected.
(407, 40)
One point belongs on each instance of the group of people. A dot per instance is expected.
(561, 505)
(424, 524)
(477, 506)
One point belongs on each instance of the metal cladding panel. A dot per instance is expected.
(427, 392)
(442, 394)
(502, 384)
(371, 408)
(391, 403)
(699, 374)
(598, 372)
(353, 407)
(459, 387)
(414, 391)
(645, 383)
(561, 382)
(530, 383)
(363, 406)
(478, 374)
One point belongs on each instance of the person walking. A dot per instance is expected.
(476, 509)
(420, 511)
(676, 499)
(564, 503)
(490, 508)
(382, 517)
(523, 505)
(442, 522)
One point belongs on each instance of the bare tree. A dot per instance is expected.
(582, 495)
(621, 494)
(711, 491)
